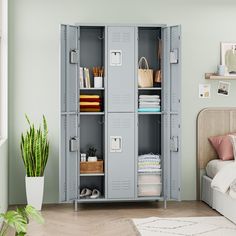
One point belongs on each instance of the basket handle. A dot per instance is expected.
(145, 62)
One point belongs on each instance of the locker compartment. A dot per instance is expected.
(92, 182)
(92, 48)
(148, 47)
(92, 134)
(149, 134)
(121, 69)
(121, 155)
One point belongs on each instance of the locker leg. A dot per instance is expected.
(76, 206)
(165, 204)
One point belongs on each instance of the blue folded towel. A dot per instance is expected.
(149, 109)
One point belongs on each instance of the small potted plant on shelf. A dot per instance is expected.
(34, 151)
(18, 220)
(92, 154)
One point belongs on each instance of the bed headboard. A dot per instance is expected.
(211, 122)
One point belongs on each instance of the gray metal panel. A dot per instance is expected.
(121, 164)
(175, 93)
(166, 113)
(69, 117)
(121, 78)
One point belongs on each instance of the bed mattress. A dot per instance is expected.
(214, 166)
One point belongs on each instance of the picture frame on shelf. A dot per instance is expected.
(228, 57)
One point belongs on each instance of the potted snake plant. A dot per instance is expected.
(34, 152)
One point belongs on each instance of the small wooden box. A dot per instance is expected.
(91, 167)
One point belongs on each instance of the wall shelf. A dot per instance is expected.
(218, 77)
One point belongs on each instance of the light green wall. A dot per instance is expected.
(34, 67)
(3, 176)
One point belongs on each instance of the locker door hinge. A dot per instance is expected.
(74, 56)
(64, 187)
(74, 144)
(174, 56)
(174, 144)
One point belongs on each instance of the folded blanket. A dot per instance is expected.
(90, 100)
(89, 103)
(93, 107)
(149, 109)
(149, 106)
(149, 96)
(89, 96)
(224, 178)
(90, 109)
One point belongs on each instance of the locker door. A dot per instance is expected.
(69, 113)
(121, 69)
(121, 155)
(171, 118)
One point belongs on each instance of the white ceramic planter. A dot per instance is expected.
(34, 191)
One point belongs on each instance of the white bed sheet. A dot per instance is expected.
(214, 166)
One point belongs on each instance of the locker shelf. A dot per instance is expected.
(93, 174)
(92, 113)
(149, 113)
(91, 88)
(153, 88)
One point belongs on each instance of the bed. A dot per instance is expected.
(212, 122)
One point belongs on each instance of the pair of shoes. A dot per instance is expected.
(88, 193)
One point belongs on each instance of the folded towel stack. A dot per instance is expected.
(149, 163)
(149, 103)
(90, 103)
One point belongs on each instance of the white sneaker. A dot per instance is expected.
(85, 192)
(95, 194)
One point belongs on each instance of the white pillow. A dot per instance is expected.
(233, 141)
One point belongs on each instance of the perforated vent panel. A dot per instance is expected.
(116, 37)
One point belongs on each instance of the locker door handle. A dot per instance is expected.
(74, 56)
(74, 144)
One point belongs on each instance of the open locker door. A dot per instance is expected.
(172, 111)
(69, 140)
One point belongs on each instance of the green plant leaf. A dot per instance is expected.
(15, 220)
(35, 149)
(34, 214)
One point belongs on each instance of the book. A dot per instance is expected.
(87, 78)
(81, 77)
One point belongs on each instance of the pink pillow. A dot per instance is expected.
(223, 146)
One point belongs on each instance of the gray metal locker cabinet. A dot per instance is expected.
(69, 113)
(121, 158)
(171, 113)
(121, 69)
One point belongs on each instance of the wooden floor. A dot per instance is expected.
(109, 219)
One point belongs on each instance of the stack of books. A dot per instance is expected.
(90, 103)
(84, 77)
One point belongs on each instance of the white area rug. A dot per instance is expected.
(202, 226)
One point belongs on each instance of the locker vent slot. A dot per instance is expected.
(121, 123)
(126, 37)
(116, 37)
(118, 99)
(121, 185)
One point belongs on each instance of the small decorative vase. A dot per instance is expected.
(34, 191)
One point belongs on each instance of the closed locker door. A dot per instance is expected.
(121, 69)
(120, 155)
(172, 111)
(69, 149)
